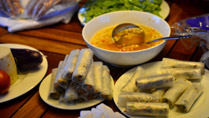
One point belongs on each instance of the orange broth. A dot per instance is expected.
(103, 39)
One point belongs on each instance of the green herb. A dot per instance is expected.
(94, 8)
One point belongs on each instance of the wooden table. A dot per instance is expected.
(58, 40)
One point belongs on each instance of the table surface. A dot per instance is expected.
(58, 40)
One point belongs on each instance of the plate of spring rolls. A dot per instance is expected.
(168, 88)
(78, 82)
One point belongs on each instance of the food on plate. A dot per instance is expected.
(7, 63)
(60, 83)
(182, 69)
(173, 93)
(53, 93)
(126, 97)
(70, 64)
(89, 82)
(70, 95)
(84, 80)
(26, 59)
(103, 39)
(185, 102)
(98, 80)
(150, 109)
(160, 91)
(155, 81)
(98, 68)
(94, 8)
(183, 73)
(174, 63)
(130, 85)
(106, 83)
(5, 82)
(82, 65)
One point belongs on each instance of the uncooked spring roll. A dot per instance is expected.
(173, 93)
(70, 64)
(59, 80)
(150, 109)
(53, 93)
(125, 97)
(98, 68)
(70, 95)
(187, 99)
(130, 86)
(60, 83)
(154, 82)
(173, 63)
(183, 73)
(160, 93)
(107, 83)
(89, 81)
(82, 65)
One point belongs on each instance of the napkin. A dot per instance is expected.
(59, 13)
(101, 111)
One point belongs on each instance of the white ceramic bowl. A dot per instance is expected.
(115, 18)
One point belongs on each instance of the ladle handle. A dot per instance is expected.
(171, 38)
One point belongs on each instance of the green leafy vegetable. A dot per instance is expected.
(94, 8)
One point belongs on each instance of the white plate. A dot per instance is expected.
(25, 82)
(44, 93)
(199, 109)
(165, 10)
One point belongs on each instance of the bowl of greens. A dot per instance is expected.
(94, 8)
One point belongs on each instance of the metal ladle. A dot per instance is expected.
(136, 35)
(120, 34)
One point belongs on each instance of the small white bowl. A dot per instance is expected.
(114, 18)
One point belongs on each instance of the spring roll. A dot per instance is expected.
(187, 99)
(107, 83)
(173, 63)
(60, 83)
(150, 109)
(59, 80)
(154, 82)
(183, 73)
(86, 93)
(70, 95)
(159, 93)
(84, 60)
(125, 97)
(89, 81)
(130, 86)
(53, 93)
(70, 64)
(98, 68)
(173, 93)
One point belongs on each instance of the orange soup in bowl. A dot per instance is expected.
(103, 39)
